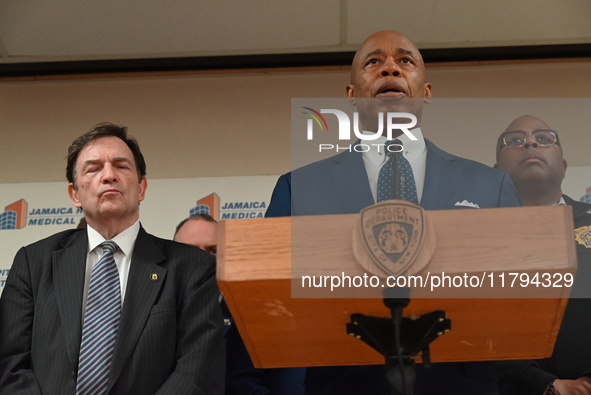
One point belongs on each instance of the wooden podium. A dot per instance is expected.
(255, 275)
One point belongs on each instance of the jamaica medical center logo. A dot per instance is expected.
(210, 205)
(17, 215)
(398, 121)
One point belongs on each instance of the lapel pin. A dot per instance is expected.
(154, 277)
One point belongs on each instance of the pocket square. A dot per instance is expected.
(466, 203)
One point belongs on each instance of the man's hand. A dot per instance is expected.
(581, 386)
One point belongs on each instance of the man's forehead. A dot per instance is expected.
(387, 41)
(400, 51)
(201, 226)
(110, 144)
(526, 124)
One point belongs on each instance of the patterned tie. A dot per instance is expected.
(101, 321)
(396, 180)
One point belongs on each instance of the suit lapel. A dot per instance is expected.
(69, 266)
(140, 297)
(350, 178)
(441, 176)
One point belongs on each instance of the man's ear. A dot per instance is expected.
(350, 89)
(143, 187)
(428, 93)
(565, 167)
(73, 193)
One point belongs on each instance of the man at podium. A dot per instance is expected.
(531, 153)
(388, 67)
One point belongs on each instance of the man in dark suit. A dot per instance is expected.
(388, 68)
(531, 153)
(164, 322)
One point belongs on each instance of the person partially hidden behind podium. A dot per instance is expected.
(201, 230)
(388, 65)
(531, 153)
(110, 309)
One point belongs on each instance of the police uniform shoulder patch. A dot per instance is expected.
(583, 236)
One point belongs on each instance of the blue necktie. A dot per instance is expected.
(396, 179)
(101, 321)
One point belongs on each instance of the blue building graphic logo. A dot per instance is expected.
(14, 215)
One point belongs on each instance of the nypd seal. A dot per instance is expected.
(392, 235)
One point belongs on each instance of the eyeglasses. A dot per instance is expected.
(542, 137)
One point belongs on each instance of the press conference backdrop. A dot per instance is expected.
(33, 211)
(236, 127)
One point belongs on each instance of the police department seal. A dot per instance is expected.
(389, 238)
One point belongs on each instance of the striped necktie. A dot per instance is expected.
(396, 179)
(101, 321)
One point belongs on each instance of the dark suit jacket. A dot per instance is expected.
(169, 339)
(339, 185)
(571, 357)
